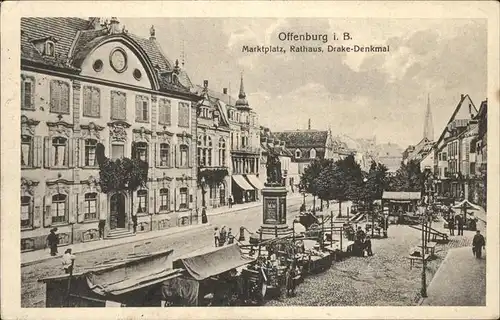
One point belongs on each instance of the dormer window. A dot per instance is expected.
(312, 154)
(298, 153)
(49, 48)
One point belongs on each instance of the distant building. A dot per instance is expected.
(390, 155)
(479, 190)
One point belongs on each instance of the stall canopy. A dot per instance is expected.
(255, 181)
(241, 182)
(401, 196)
(210, 263)
(468, 205)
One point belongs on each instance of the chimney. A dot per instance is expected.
(224, 91)
(152, 33)
(462, 96)
(309, 124)
(205, 84)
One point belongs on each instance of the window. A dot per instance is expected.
(49, 48)
(183, 114)
(201, 151)
(222, 152)
(142, 206)
(117, 151)
(472, 168)
(26, 151)
(164, 200)
(183, 204)
(141, 109)
(90, 148)
(209, 151)
(312, 154)
(91, 102)
(298, 154)
(27, 93)
(118, 105)
(59, 97)
(443, 156)
(59, 152)
(26, 212)
(59, 208)
(164, 155)
(164, 110)
(90, 206)
(232, 140)
(445, 172)
(141, 151)
(184, 153)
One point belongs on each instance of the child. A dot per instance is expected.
(216, 236)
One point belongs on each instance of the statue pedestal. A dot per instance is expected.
(273, 214)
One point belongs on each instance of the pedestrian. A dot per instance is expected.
(68, 261)
(222, 236)
(230, 201)
(451, 225)
(102, 224)
(460, 225)
(368, 246)
(204, 218)
(134, 222)
(216, 236)
(477, 244)
(53, 241)
(230, 237)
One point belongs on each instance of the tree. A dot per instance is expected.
(407, 178)
(375, 182)
(309, 178)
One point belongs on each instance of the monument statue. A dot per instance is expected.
(273, 167)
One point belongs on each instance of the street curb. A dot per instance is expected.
(197, 227)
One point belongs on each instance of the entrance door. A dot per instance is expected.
(117, 211)
(222, 196)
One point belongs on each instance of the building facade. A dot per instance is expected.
(455, 152)
(480, 186)
(85, 83)
(213, 152)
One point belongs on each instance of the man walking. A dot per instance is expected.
(68, 261)
(451, 225)
(230, 200)
(134, 222)
(477, 244)
(102, 224)
(460, 225)
(53, 241)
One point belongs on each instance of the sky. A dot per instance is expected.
(361, 95)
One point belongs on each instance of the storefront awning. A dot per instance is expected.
(254, 181)
(391, 195)
(242, 182)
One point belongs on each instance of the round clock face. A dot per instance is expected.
(118, 60)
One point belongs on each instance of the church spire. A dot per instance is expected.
(428, 125)
(242, 101)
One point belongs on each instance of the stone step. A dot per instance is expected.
(119, 233)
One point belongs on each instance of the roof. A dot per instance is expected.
(208, 263)
(227, 99)
(76, 37)
(394, 195)
(457, 108)
(302, 138)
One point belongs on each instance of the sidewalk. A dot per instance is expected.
(459, 281)
(32, 257)
(243, 206)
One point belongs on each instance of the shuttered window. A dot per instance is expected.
(183, 199)
(91, 102)
(141, 109)
(27, 93)
(164, 200)
(59, 208)
(164, 112)
(59, 97)
(184, 154)
(142, 201)
(26, 212)
(184, 114)
(164, 155)
(118, 105)
(90, 206)
(26, 151)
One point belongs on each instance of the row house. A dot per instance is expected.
(455, 152)
(213, 151)
(480, 185)
(85, 83)
(289, 169)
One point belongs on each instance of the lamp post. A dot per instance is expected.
(202, 183)
(423, 216)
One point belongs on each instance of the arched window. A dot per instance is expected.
(142, 203)
(59, 150)
(164, 154)
(298, 153)
(141, 151)
(26, 212)
(222, 152)
(49, 48)
(90, 206)
(201, 158)
(26, 151)
(184, 155)
(312, 153)
(90, 147)
(164, 200)
(59, 208)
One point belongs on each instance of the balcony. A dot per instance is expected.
(248, 150)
